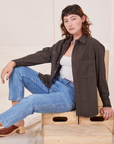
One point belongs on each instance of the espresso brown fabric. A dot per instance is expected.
(88, 71)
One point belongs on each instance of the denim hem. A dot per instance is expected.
(18, 100)
(18, 119)
(3, 122)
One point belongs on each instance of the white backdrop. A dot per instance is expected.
(27, 26)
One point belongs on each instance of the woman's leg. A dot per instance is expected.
(24, 77)
(20, 123)
(59, 99)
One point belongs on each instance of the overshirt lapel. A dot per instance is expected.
(64, 48)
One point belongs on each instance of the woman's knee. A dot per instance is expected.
(15, 73)
(25, 71)
(29, 102)
(18, 71)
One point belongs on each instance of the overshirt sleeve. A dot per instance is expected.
(101, 75)
(40, 57)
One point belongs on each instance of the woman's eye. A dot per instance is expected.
(72, 19)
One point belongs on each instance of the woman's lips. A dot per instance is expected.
(71, 28)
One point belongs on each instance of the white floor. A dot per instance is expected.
(32, 127)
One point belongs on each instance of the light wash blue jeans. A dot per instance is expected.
(59, 98)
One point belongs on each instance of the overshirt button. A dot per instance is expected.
(46, 83)
(54, 71)
(58, 62)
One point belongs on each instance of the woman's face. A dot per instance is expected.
(73, 24)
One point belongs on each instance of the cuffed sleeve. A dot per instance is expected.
(101, 75)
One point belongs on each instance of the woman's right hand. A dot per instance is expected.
(7, 70)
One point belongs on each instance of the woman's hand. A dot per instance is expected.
(107, 112)
(7, 70)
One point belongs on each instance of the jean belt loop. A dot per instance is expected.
(68, 82)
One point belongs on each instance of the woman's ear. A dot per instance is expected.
(83, 18)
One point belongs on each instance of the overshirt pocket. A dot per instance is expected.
(88, 68)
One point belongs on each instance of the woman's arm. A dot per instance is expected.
(102, 85)
(40, 57)
(101, 75)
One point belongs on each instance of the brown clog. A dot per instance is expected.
(9, 131)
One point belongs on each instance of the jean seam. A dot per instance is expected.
(66, 84)
(71, 91)
(21, 84)
(3, 121)
(67, 98)
(13, 122)
(71, 85)
(54, 106)
(51, 89)
(30, 79)
(69, 101)
(34, 82)
(19, 74)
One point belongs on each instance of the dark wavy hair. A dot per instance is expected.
(75, 9)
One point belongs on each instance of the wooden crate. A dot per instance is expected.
(77, 134)
(64, 118)
(98, 119)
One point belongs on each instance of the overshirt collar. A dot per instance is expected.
(82, 39)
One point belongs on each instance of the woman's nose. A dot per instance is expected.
(69, 23)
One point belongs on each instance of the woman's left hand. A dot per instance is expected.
(107, 112)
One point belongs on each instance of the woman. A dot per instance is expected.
(77, 69)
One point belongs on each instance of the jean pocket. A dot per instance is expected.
(53, 86)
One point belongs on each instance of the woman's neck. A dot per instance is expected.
(75, 37)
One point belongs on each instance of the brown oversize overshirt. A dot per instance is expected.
(88, 69)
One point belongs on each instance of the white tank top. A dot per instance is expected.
(66, 69)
